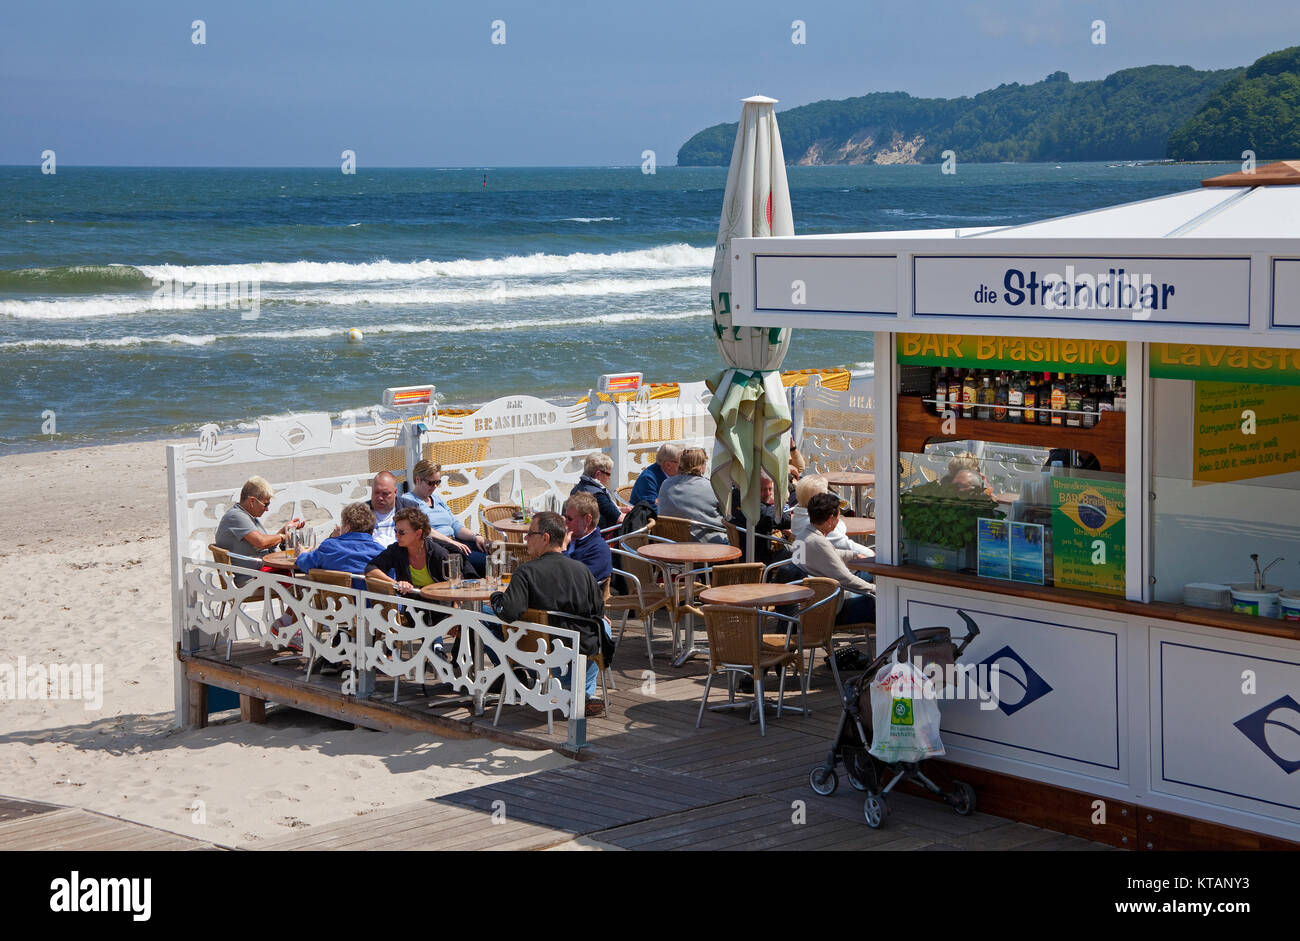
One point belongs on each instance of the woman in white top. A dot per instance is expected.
(800, 527)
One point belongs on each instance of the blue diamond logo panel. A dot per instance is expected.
(1014, 674)
(1275, 727)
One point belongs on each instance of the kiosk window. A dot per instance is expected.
(1226, 479)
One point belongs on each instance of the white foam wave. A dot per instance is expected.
(116, 304)
(591, 218)
(328, 272)
(307, 333)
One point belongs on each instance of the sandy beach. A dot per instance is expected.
(84, 580)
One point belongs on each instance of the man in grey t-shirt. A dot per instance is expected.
(241, 532)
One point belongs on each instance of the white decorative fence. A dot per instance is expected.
(369, 634)
(487, 455)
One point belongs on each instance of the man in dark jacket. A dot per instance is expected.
(551, 581)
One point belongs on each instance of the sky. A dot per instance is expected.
(565, 83)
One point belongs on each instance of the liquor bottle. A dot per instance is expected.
(984, 407)
(1058, 399)
(1091, 404)
(968, 395)
(1016, 399)
(1074, 402)
(940, 390)
(1031, 399)
(1121, 395)
(1045, 400)
(1001, 398)
(1106, 398)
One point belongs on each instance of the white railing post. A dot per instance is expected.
(363, 667)
(179, 529)
(411, 444)
(578, 719)
(616, 421)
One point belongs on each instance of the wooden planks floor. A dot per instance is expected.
(25, 825)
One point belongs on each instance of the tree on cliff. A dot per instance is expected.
(1259, 110)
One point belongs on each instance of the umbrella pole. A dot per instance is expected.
(752, 524)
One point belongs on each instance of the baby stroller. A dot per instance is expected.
(853, 734)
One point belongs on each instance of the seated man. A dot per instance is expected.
(596, 470)
(241, 532)
(583, 542)
(551, 581)
(771, 521)
(646, 488)
(446, 528)
(351, 550)
(817, 556)
(383, 503)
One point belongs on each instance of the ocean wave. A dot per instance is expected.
(591, 218)
(308, 333)
(661, 257)
(110, 306)
(74, 278)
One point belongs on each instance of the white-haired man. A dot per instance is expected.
(646, 488)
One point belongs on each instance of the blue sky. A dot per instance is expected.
(292, 83)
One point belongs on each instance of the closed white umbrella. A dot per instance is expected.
(749, 404)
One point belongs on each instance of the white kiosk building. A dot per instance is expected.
(1106, 554)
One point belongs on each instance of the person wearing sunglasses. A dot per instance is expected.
(446, 528)
(241, 532)
(551, 581)
(596, 471)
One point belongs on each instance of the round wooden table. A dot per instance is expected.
(682, 555)
(756, 594)
(857, 480)
(281, 561)
(472, 593)
(859, 525)
(511, 527)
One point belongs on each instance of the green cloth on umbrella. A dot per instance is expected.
(749, 394)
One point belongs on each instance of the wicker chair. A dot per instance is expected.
(737, 573)
(644, 596)
(625, 493)
(735, 647)
(673, 529)
(222, 556)
(381, 586)
(329, 603)
(816, 631)
(494, 514)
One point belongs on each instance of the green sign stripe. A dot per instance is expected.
(1262, 365)
(1031, 354)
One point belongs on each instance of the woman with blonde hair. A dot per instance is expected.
(596, 471)
(689, 495)
(807, 488)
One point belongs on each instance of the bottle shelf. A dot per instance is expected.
(917, 427)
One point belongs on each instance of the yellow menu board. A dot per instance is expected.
(1242, 430)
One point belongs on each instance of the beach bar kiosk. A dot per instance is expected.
(1088, 439)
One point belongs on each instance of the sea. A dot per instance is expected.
(124, 309)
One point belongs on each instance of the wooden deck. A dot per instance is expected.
(26, 825)
(648, 779)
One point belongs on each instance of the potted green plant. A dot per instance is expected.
(940, 524)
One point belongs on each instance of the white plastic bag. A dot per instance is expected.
(904, 714)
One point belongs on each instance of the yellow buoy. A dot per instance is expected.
(355, 335)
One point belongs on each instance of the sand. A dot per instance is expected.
(84, 580)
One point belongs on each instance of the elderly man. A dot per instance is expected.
(349, 551)
(446, 528)
(646, 488)
(551, 581)
(383, 503)
(583, 542)
(772, 521)
(818, 556)
(596, 471)
(241, 532)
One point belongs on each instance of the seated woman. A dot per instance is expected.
(596, 470)
(689, 495)
(446, 529)
(415, 560)
(819, 557)
(800, 525)
(350, 549)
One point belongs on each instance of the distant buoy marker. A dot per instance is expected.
(355, 335)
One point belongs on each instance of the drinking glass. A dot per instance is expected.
(451, 570)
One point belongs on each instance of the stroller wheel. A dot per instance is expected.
(823, 780)
(857, 782)
(963, 799)
(875, 810)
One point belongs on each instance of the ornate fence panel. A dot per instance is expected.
(368, 633)
(837, 427)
